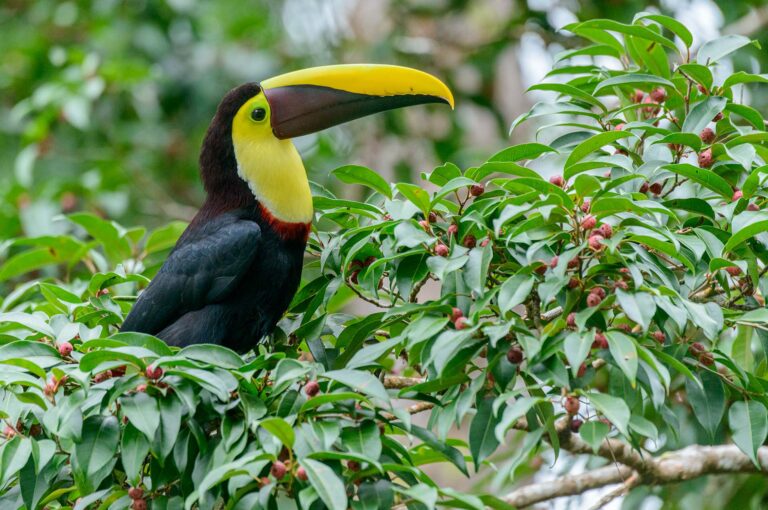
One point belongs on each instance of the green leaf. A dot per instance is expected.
(594, 143)
(94, 456)
(576, 347)
(702, 114)
(415, 195)
(712, 51)
(707, 401)
(165, 237)
(706, 178)
(746, 225)
(749, 425)
(362, 382)
(624, 352)
(356, 174)
(633, 30)
(639, 306)
(569, 90)
(521, 152)
(107, 233)
(134, 449)
(211, 354)
(142, 412)
(613, 408)
(329, 487)
(593, 432)
(363, 439)
(634, 80)
(482, 440)
(742, 77)
(699, 73)
(671, 24)
(280, 429)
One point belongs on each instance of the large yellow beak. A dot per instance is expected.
(313, 99)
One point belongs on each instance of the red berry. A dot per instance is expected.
(652, 107)
(554, 261)
(301, 474)
(484, 242)
(576, 425)
(9, 432)
(278, 470)
(424, 224)
(154, 372)
(141, 388)
(139, 504)
(701, 88)
(370, 260)
(119, 371)
(476, 190)
(103, 376)
(705, 158)
(574, 262)
(557, 180)
(737, 195)
(456, 313)
(638, 96)
(656, 188)
(432, 217)
(620, 284)
(570, 321)
(717, 118)
(571, 405)
(515, 355)
(595, 242)
(644, 187)
(49, 388)
(600, 341)
(585, 206)
(453, 229)
(659, 95)
(441, 250)
(733, 270)
(589, 222)
(65, 348)
(541, 269)
(135, 493)
(470, 241)
(599, 291)
(752, 207)
(353, 465)
(593, 300)
(461, 323)
(582, 370)
(696, 348)
(311, 389)
(606, 230)
(619, 127)
(573, 283)
(659, 336)
(707, 135)
(707, 359)
(626, 328)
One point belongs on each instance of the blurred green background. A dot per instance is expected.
(103, 103)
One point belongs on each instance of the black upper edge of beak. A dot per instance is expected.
(298, 110)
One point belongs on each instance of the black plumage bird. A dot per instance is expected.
(237, 266)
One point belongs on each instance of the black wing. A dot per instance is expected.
(202, 270)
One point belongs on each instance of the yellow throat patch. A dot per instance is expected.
(272, 167)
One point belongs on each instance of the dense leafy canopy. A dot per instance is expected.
(606, 280)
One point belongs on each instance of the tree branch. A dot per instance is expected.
(569, 485)
(671, 467)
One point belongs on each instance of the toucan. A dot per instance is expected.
(236, 267)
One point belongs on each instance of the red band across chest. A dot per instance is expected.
(286, 230)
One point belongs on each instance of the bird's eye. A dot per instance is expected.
(258, 114)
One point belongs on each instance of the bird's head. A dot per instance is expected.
(255, 122)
